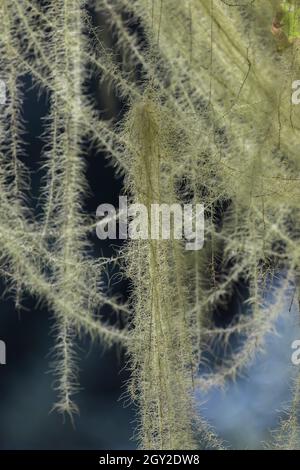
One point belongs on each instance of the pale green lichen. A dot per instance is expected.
(209, 119)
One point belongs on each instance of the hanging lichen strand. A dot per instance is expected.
(161, 343)
(48, 257)
(209, 118)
